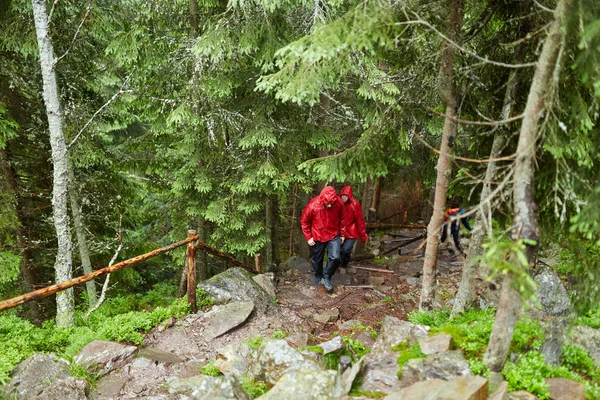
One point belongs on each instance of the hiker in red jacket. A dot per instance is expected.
(321, 222)
(454, 214)
(354, 223)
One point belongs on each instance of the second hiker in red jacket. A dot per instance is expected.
(354, 222)
(321, 223)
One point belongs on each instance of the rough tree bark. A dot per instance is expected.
(465, 292)
(271, 223)
(525, 223)
(84, 252)
(444, 165)
(65, 310)
(375, 200)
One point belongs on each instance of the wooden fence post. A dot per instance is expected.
(191, 272)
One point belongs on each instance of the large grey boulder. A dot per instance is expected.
(274, 358)
(102, 357)
(446, 366)
(380, 366)
(552, 296)
(265, 281)
(565, 389)
(306, 384)
(65, 389)
(236, 284)
(233, 359)
(202, 387)
(460, 388)
(222, 319)
(35, 374)
(588, 339)
(556, 329)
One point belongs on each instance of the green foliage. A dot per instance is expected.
(331, 361)
(407, 353)
(254, 388)
(278, 335)
(8, 127)
(508, 257)
(9, 267)
(355, 348)
(314, 349)
(578, 360)
(210, 369)
(255, 342)
(591, 319)
(528, 374)
(79, 371)
(20, 339)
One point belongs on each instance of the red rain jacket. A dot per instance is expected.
(353, 219)
(450, 212)
(322, 223)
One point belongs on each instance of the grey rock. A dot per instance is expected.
(395, 331)
(436, 344)
(588, 339)
(298, 339)
(155, 354)
(102, 357)
(565, 389)
(233, 359)
(110, 387)
(222, 319)
(521, 395)
(35, 374)
(459, 388)
(446, 366)
(333, 345)
(306, 384)
(295, 263)
(328, 316)
(555, 338)
(265, 281)
(413, 281)
(380, 367)
(552, 296)
(501, 393)
(223, 387)
(274, 358)
(65, 389)
(236, 284)
(350, 375)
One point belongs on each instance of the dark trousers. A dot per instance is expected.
(346, 252)
(333, 257)
(453, 231)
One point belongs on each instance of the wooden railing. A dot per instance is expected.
(192, 244)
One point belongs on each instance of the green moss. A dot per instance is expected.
(314, 349)
(254, 388)
(278, 335)
(255, 342)
(407, 353)
(356, 392)
(210, 369)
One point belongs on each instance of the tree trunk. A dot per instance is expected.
(470, 268)
(303, 247)
(293, 220)
(444, 165)
(27, 270)
(65, 310)
(525, 224)
(359, 247)
(376, 199)
(193, 18)
(204, 271)
(269, 233)
(84, 253)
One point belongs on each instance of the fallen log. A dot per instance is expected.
(374, 225)
(374, 269)
(405, 243)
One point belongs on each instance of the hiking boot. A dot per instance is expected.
(327, 283)
(317, 280)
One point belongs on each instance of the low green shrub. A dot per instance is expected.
(210, 369)
(407, 353)
(254, 388)
(254, 342)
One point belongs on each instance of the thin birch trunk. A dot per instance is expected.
(470, 268)
(84, 252)
(444, 165)
(525, 224)
(65, 310)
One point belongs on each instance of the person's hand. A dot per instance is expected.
(342, 239)
(364, 238)
(311, 242)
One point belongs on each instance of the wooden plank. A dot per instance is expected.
(373, 269)
(191, 272)
(374, 225)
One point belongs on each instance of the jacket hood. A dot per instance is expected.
(347, 190)
(328, 195)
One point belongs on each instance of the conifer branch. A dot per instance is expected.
(467, 122)
(87, 12)
(121, 91)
